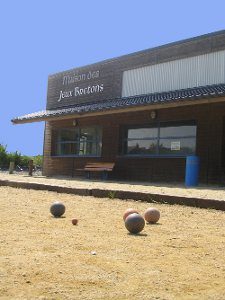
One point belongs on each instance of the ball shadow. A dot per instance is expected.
(137, 234)
(153, 224)
(61, 217)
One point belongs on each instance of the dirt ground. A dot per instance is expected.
(41, 257)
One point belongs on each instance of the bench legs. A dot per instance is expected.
(104, 175)
(88, 174)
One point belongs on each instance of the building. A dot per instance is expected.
(146, 111)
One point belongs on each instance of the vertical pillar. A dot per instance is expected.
(31, 165)
(11, 167)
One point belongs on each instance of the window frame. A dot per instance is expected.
(97, 141)
(158, 125)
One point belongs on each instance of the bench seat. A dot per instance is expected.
(103, 167)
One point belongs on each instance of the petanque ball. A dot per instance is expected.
(74, 221)
(152, 215)
(57, 209)
(134, 223)
(128, 212)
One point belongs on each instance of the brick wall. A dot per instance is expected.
(210, 142)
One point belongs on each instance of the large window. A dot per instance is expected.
(86, 141)
(174, 138)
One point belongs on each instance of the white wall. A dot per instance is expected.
(201, 70)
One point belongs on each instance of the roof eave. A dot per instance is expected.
(120, 110)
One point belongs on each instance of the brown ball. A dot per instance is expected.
(74, 221)
(128, 212)
(152, 215)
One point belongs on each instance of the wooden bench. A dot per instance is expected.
(103, 167)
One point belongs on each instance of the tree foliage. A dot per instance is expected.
(18, 158)
(38, 160)
(3, 155)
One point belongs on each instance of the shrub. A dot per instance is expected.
(3, 156)
(21, 160)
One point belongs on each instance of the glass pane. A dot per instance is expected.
(90, 133)
(183, 146)
(80, 141)
(67, 135)
(90, 148)
(87, 148)
(141, 147)
(67, 149)
(142, 133)
(90, 141)
(98, 148)
(178, 131)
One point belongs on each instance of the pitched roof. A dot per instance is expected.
(195, 93)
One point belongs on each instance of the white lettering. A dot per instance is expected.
(76, 91)
(101, 88)
(65, 94)
(89, 75)
(69, 79)
(88, 90)
(98, 88)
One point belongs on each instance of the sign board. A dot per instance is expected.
(175, 146)
(84, 85)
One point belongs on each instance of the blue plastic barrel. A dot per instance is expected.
(192, 170)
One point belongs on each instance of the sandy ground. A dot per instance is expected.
(203, 192)
(181, 257)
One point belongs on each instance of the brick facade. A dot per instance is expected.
(210, 145)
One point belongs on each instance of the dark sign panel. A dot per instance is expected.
(102, 81)
(84, 85)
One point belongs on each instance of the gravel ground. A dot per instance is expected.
(181, 257)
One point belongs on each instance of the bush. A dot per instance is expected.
(24, 160)
(14, 156)
(20, 160)
(38, 160)
(3, 156)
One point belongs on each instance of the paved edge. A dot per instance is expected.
(123, 195)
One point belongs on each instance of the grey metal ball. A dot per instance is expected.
(57, 209)
(134, 223)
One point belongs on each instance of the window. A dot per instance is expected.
(85, 141)
(174, 138)
(141, 141)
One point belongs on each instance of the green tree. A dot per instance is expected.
(24, 161)
(21, 160)
(14, 156)
(38, 159)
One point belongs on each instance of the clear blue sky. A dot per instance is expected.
(42, 37)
